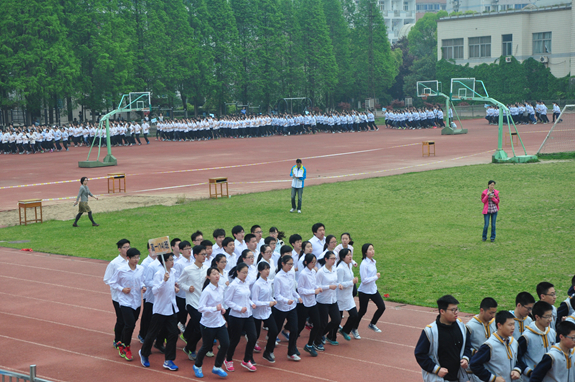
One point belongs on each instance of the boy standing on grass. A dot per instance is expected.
(164, 314)
(496, 358)
(536, 340)
(546, 292)
(444, 347)
(121, 260)
(558, 364)
(523, 306)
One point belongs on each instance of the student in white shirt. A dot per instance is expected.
(129, 281)
(279, 236)
(164, 315)
(123, 246)
(191, 280)
(287, 299)
(262, 296)
(219, 235)
(212, 323)
(229, 250)
(368, 289)
(345, 301)
(306, 249)
(307, 288)
(148, 301)
(266, 257)
(318, 238)
(329, 246)
(326, 279)
(239, 243)
(179, 265)
(240, 319)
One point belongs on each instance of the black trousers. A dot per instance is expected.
(209, 335)
(351, 322)
(331, 326)
(364, 301)
(193, 333)
(146, 317)
(119, 327)
(303, 313)
(236, 326)
(270, 323)
(130, 317)
(157, 324)
(182, 314)
(291, 325)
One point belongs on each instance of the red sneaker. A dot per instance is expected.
(128, 353)
(121, 350)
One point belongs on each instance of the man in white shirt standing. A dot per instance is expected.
(318, 239)
(239, 243)
(118, 262)
(298, 174)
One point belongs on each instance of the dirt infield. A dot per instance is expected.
(182, 169)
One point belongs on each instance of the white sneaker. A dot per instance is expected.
(294, 357)
(299, 211)
(181, 327)
(355, 334)
(292, 210)
(374, 328)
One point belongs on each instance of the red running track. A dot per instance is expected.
(57, 314)
(255, 164)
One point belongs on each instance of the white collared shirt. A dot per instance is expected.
(239, 247)
(306, 286)
(110, 270)
(125, 277)
(325, 278)
(165, 293)
(179, 266)
(368, 273)
(317, 245)
(232, 261)
(210, 298)
(192, 275)
(345, 278)
(262, 296)
(237, 296)
(284, 291)
(151, 268)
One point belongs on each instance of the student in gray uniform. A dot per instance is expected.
(557, 364)
(83, 198)
(536, 340)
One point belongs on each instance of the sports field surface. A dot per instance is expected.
(56, 311)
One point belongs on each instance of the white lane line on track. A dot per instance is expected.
(56, 270)
(57, 302)
(55, 285)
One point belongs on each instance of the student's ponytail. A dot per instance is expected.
(235, 270)
(364, 249)
(342, 254)
(261, 267)
(208, 273)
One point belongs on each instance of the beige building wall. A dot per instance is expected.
(521, 24)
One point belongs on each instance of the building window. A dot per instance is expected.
(480, 47)
(452, 49)
(507, 45)
(487, 8)
(542, 43)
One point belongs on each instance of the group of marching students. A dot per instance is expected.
(41, 139)
(220, 291)
(414, 118)
(522, 113)
(534, 342)
(250, 126)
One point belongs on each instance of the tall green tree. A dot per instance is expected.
(292, 73)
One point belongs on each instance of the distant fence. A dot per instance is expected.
(10, 376)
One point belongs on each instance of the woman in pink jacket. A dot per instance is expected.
(490, 199)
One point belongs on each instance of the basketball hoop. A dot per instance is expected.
(424, 97)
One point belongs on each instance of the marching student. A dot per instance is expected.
(219, 236)
(129, 282)
(262, 296)
(306, 249)
(175, 243)
(295, 241)
(496, 358)
(239, 242)
(368, 289)
(240, 319)
(164, 315)
(557, 364)
(148, 295)
(318, 239)
(546, 292)
(287, 298)
(536, 340)
(444, 349)
(212, 323)
(192, 280)
(179, 265)
(523, 306)
(120, 260)
(308, 289)
(265, 256)
(329, 246)
(482, 325)
(209, 250)
(345, 302)
(326, 279)
(566, 309)
(346, 242)
(229, 250)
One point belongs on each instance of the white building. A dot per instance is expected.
(547, 35)
(496, 5)
(426, 6)
(396, 14)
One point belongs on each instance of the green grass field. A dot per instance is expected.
(425, 227)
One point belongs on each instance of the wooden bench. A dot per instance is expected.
(121, 182)
(218, 181)
(427, 145)
(30, 203)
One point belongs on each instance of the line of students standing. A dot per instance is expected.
(227, 293)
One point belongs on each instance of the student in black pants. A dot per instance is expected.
(327, 300)
(262, 296)
(164, 314)
(308, 289)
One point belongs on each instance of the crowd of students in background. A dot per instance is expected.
(219, 291)
(522, 113)
(414, 118)
(534, 341)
